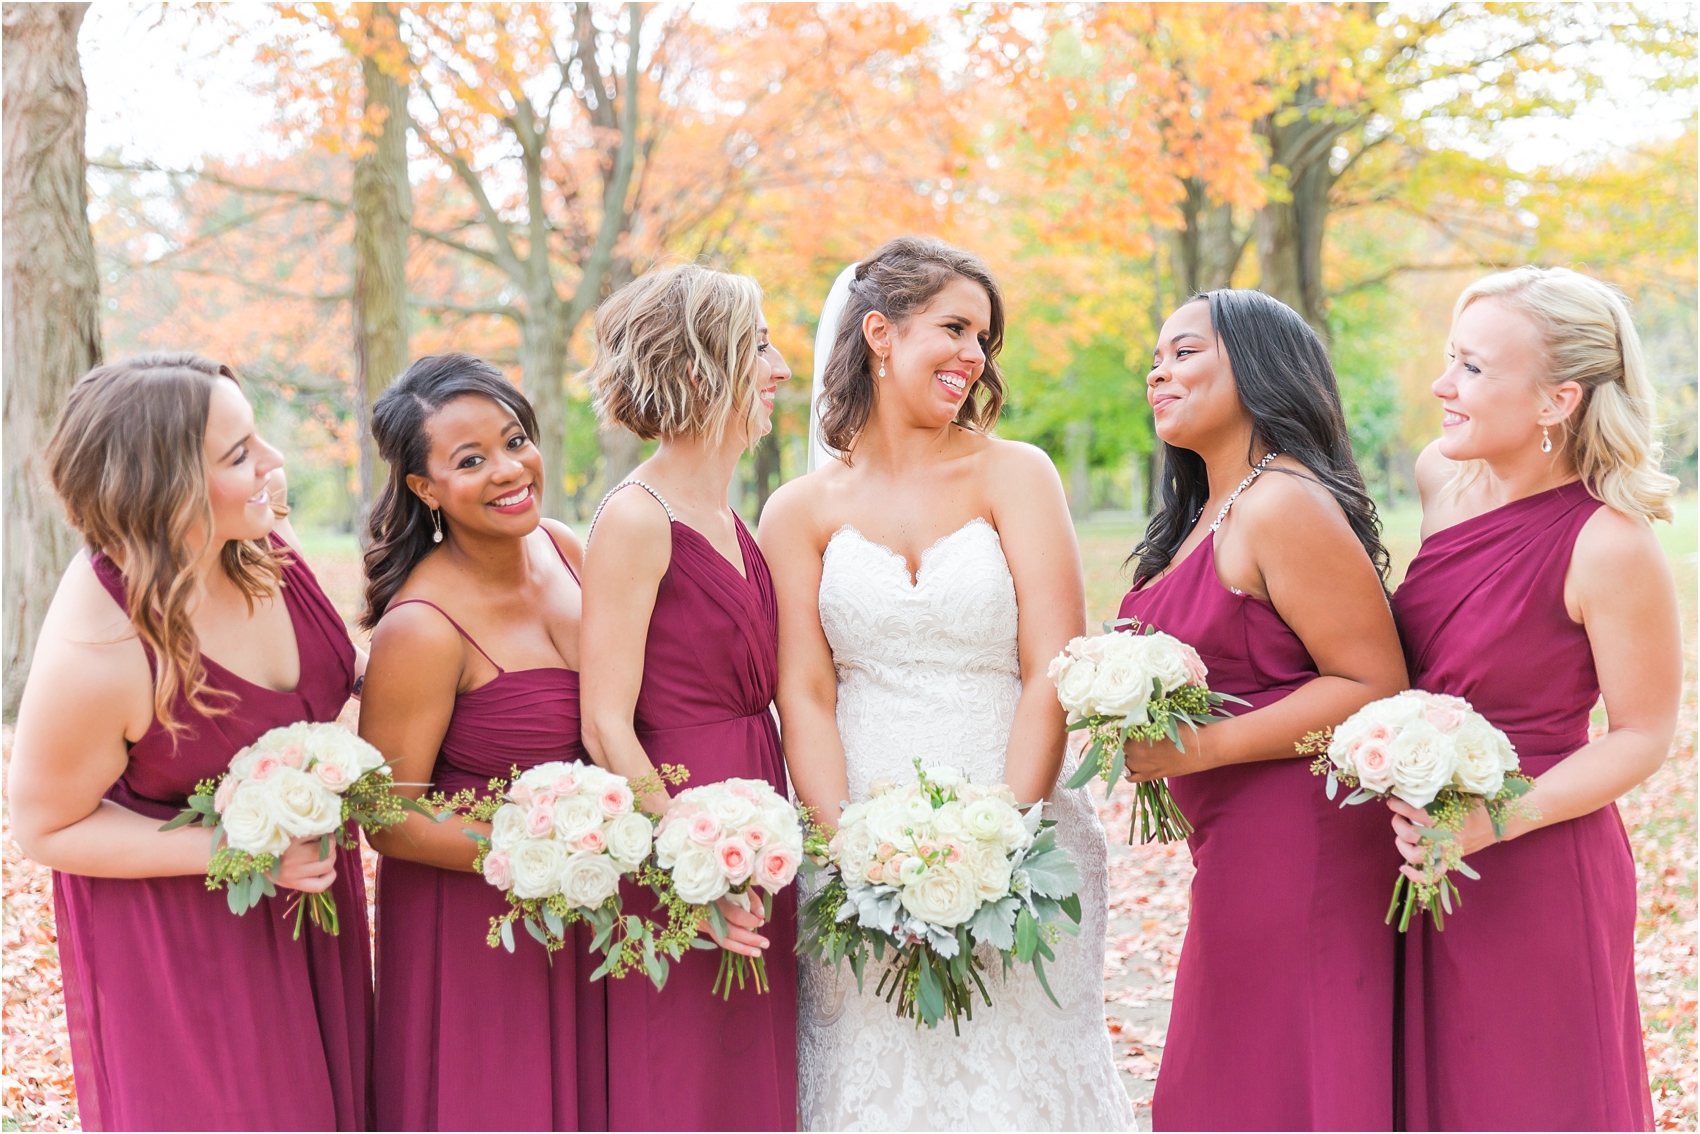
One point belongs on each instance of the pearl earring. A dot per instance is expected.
(436, 528)
(882, 366)
(1546, 440)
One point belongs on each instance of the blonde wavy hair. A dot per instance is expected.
(128, 460)
(676, 353)
(1612, 437)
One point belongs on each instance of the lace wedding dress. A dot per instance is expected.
(929, 669)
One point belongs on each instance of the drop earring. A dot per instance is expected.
(436, 528)
(882, 366)
(1546, 440)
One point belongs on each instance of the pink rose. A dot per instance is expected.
(292, 755)
(616, 799)
(226, 790)
(927, 851)
(544, 797)
(521, 794)
(894, 870)
(1374, 762)
(565, 784)
(540, 820)
(331, 776)
(592, 841)
(886, 851)
(736, 859)
(496, 870)
(705, 829)
(1378, 732)
(742, 791)
(265, 766)
(1443, 717)
(952, 852)
(756, 835)
(874, 872)
(776, 867)
(1196, 671)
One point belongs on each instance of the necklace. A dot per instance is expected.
(1257, 471)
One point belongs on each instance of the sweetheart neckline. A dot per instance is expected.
(914, 581)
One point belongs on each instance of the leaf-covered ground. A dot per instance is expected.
(1148, 914)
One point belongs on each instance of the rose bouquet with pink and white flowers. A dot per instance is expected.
(301, 781)
(1433, 751)
(562, 836)
(724, 840)
(1126, 685)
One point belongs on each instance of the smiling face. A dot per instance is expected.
(771, 370)
(239, 464)
(1194, 399)
(483, 471)
(1494, 390)
(935, 356)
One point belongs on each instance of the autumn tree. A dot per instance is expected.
(51, 300)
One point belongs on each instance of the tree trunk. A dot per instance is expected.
(383, 214)
(767, 469)
(51, 300)
(1077, 450)
(1206, 249)
(543, 363)
(621, 453)
(1289, 232)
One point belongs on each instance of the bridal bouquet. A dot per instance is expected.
(1435, 752)
(1126, 685)
(301, 781)
(931, 871)
(726, 839)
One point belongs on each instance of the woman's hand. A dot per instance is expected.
(741, 925)
(301, 868)
(1477, 833)
(1157, 759)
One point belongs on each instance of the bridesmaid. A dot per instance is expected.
(474, 601)
(681, 619)
(181, 1014)
(1539, 587)
(1265, 556)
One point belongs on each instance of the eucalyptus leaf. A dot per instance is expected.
(508, 935)
(1333, 786)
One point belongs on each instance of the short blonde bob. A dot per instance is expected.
(1612, 437)
(676, 353)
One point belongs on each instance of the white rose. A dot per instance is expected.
(1165, 661)
(1093, 649)
(332, 741)
(507, 827)
(944, 896)
(1015, 835)
(588, 879)
(671, 842)
(576, 816)
(629, 839)
(985, 819)
(988, 865)
(856, 846)
(945, 776)
(1121, 688)
(249, 822)
(301, 805)
(885, 818)
(540, 776)
(948, 821)
(917, 810)
(733, 811)
(1401, 709)
(1422, 763)
(536, 867)
(1507, 754)
(345, 760)
(696, 875)
(1074, 689)
(1479, 770)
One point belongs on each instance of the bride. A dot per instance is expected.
(925, 580)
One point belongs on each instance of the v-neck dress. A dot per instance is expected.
(681, 1058)
(182, 1015)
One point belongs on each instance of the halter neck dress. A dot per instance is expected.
(1283, 1004)
(471, 1037)
(682, 1058)
(174, 1003)
(1533, 981)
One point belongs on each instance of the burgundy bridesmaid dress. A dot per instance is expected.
(182, 1015)
(1522, 1015)
(1283, 1006)
(683, 1059)
(471, 1037)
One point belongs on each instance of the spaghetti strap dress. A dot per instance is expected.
(1523, 1014)
(182, 1015)
(682, 1058)
(1283, 1003)
(471, 1037)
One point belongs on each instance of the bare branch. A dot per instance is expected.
(301, 195)
(254, 285)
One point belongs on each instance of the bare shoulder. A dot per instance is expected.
(1017, 473)
(89, 658)
(565, 539)
(415, 630)
(1434, 469)
(1290, 500)
(1614, 548)
(632, 516)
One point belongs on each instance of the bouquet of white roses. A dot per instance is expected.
(562, 835)
(931, 871)
(1124, 685)
(1433, 751)
(720, 840)
(300, 781)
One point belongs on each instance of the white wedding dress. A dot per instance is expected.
(929, 669)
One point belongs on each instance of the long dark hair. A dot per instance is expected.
(1286, 384)
(899, 279)
(400, 525)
